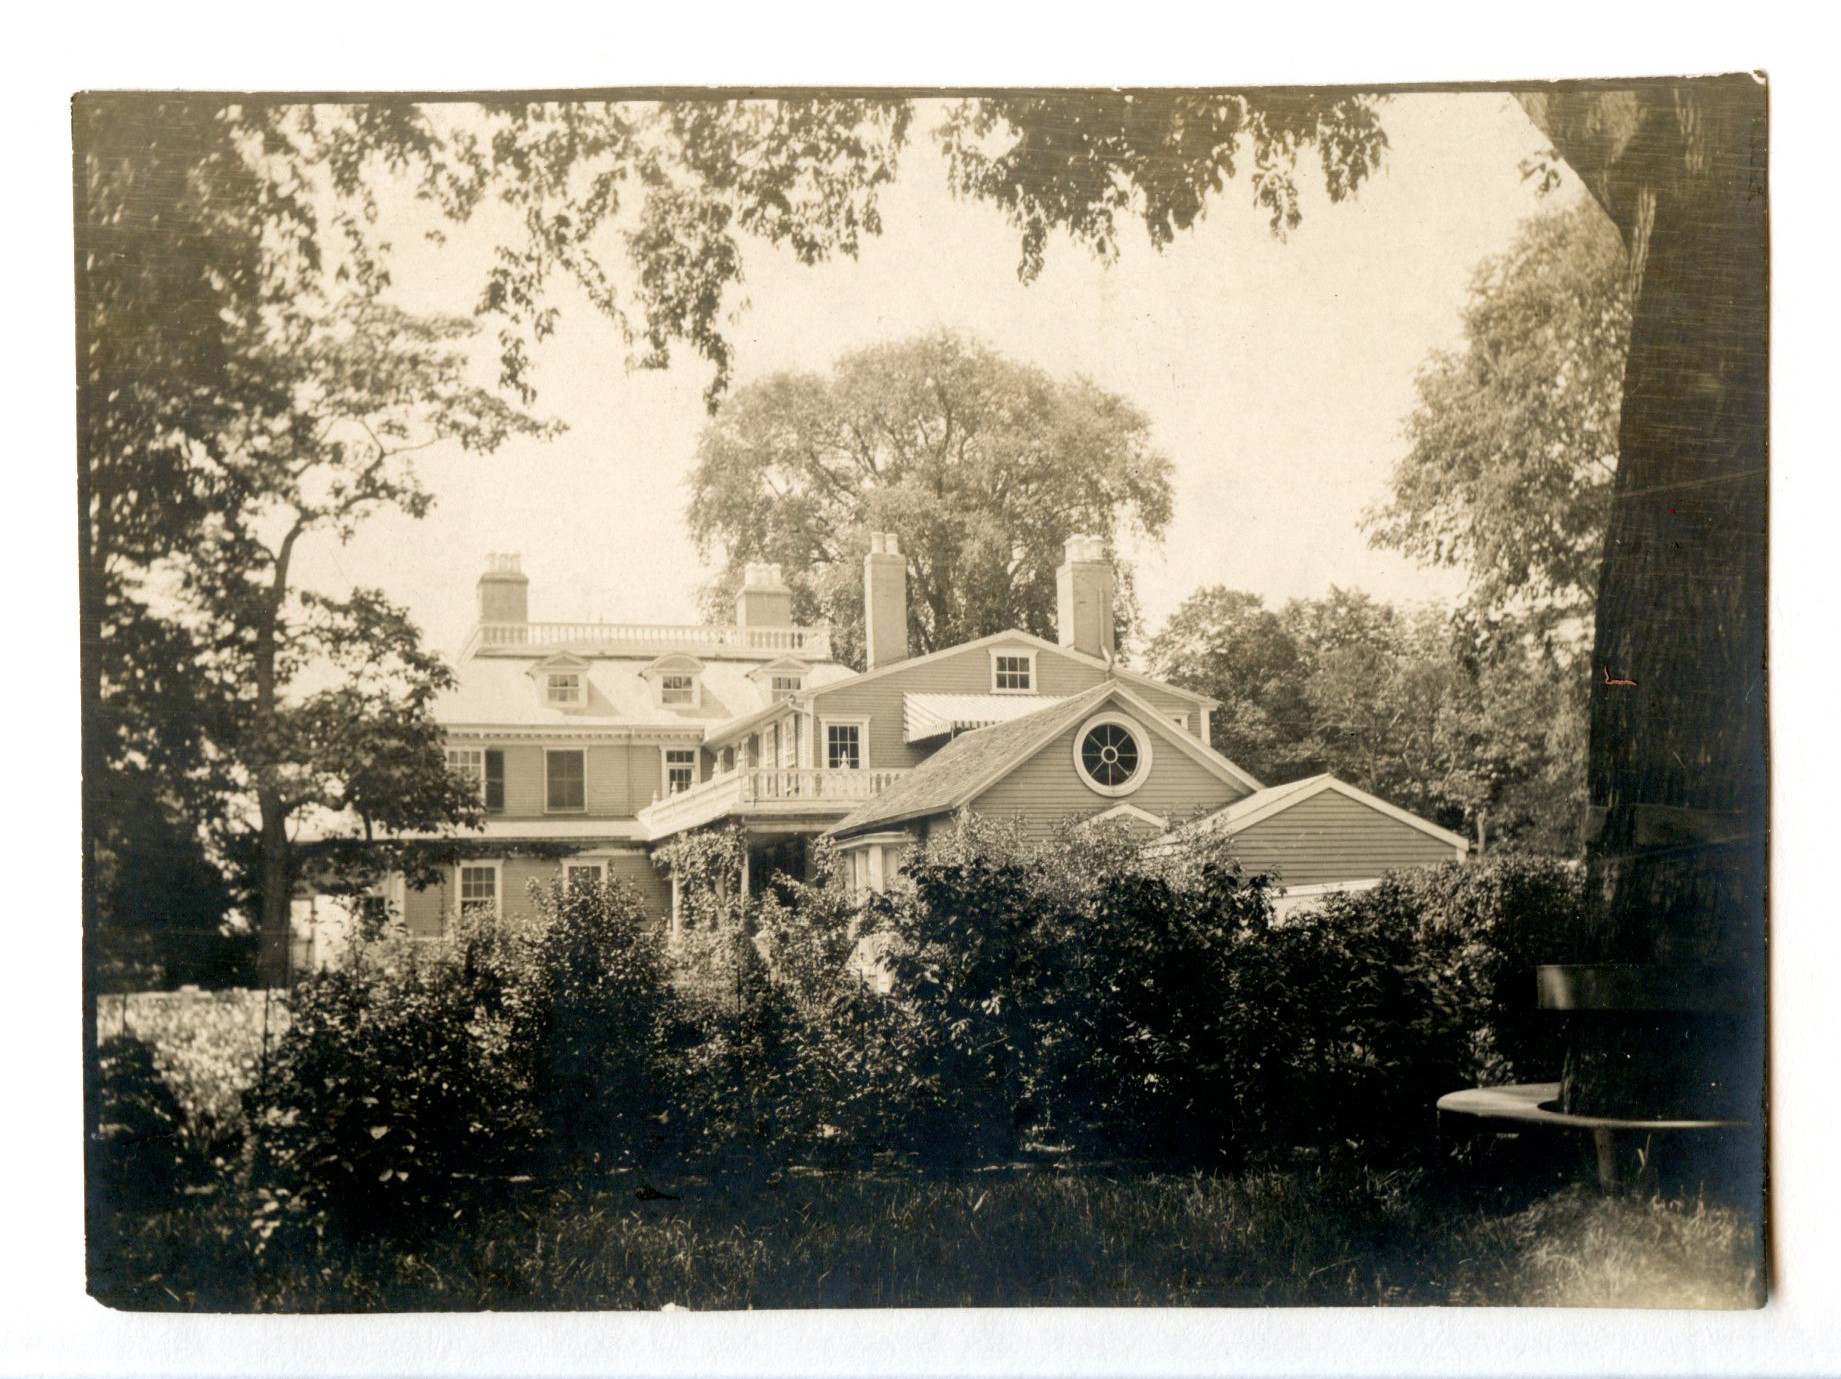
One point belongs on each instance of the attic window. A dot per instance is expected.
(677, 689)
(785, 687)
(563, 687)
(1013, 672)
(1112, 754)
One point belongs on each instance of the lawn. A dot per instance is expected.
(999, 1238)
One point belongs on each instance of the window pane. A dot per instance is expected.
(495, 781)
(676, 689)
(843, 746)
(680, 769)
(785, 687)
(565, 689)
(479, 889)
(581, 874)
(1012, 672)
(565, 773)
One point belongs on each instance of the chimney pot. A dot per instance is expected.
(764, 600)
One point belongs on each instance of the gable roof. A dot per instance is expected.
(973, 762)
(1040, 644)
(1243, 813)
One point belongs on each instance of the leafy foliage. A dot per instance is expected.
(1477, 733)
(982, 466)
(419, 1076)
(1514, 440)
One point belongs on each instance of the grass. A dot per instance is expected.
(1000, 1238)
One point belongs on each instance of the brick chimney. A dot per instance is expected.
(764, 600)
(885, 601)
(504, 592)
(1083, 602)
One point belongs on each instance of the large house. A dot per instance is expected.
(607, 740)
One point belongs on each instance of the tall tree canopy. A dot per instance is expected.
(1399, 702)
(982, 466)
(238, 399)
(1513, 444)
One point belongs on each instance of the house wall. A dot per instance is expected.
(1330, 837)
(1046, 789)
(426, 912)
(620, 779)
(966, 672)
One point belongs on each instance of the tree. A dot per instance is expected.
(1228, 645)
(982, 466)
(1405, 704)
(1514, 441)
(326, 702)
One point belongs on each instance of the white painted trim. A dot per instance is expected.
(597, 864)
(498, 884)
(547, 682)
(549, 752)
(611, 735)
(1341, 787)
(1128, 811)
(860, 723)
(897, 836)
(664, 769)
(1015, 654)
(1139, 734)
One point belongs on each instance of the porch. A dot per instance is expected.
(784, 796)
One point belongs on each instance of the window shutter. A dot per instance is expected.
(495, 781)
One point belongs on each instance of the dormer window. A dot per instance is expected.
(1013, 672)
(782, 678)
(677, 678)
(562, 681)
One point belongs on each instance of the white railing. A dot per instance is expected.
(762, 789)
(808, 641)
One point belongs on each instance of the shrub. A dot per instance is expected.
(404, 1076)
(596, 999)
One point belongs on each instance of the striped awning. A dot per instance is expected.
(930, 716)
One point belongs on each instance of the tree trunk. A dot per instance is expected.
(275, 929)
(1676, 832)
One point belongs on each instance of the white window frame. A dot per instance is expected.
(496, 867)
(560, 695)
(1140, 734)
(692, 690)
(476, 767)
(825, 725)
(1013, 653)
(597, 865)
(788, 757)
(664, 769)
(778, 692)
(549, 808)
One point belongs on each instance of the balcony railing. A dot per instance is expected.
(813, 642)
(764, 791)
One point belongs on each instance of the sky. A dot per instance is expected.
(1276, 373)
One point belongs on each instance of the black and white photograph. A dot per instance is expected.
(710, 699)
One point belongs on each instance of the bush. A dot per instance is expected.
(593, 984)
(1156, 1009)
(419, 1077)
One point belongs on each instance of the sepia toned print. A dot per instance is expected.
(910, 699)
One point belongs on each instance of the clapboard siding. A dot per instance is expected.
(1330, 837)
(1046, 790)
(967, 672)
(620, 779)
(426, 912)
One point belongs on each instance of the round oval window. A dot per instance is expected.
(1111, 756)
